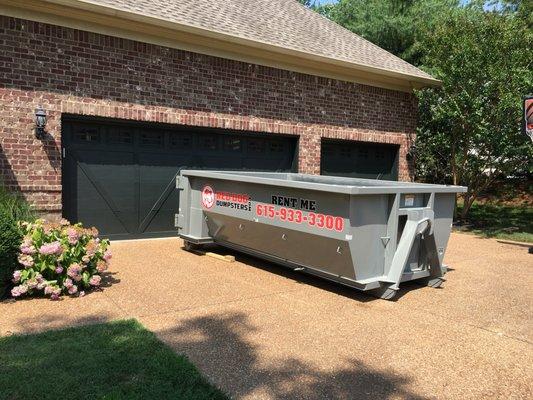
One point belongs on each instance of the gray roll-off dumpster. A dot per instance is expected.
(367, 234)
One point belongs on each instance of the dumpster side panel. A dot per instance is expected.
(191, 221)
(331, 256)
(309, 228)
(369, 217)
(443, 207)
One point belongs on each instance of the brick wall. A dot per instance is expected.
(70, 71)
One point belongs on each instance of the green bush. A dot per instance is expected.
(13, 208)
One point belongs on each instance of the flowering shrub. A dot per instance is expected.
(58, 258)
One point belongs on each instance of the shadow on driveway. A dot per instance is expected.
(217, 345)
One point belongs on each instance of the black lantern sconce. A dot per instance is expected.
(411, 153)
(40, 123)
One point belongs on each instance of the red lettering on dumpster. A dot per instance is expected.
(235, 197)
(312, 219)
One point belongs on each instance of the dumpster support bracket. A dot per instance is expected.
(419, 223)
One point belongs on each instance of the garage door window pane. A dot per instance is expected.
(232, 144)
(277, 147)
(152, 139)
(87, 135)
(120, 137)
(180, 141)
(256, 146)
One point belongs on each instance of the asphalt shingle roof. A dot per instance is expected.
(280, 23)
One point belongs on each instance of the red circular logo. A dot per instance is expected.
(208, 197)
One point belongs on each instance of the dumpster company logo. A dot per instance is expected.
(208, 197)
(236, 201)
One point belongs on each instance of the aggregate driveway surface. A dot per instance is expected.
(259, 331)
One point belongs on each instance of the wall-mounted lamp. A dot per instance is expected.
(40, 123)
(411, 153)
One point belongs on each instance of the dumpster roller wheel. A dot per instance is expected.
(189, 246)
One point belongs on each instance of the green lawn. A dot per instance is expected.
(500, 221)
(118, 360)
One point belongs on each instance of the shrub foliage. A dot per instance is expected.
(13, 208)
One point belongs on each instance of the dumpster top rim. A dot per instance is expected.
(325, 183)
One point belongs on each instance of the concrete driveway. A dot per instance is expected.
(259, 331)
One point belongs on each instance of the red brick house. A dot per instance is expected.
(133, 90)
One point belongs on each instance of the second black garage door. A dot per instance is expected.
(121, 177)
(359, 160)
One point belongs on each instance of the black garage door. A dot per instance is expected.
(120, 177)
(359, 160)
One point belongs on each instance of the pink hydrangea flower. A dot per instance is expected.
(81, 294)
(27, 241)
(16, 276)
(72, 235)
(52, 291)
(107, 255)
(73, 289)
(51, 248)
(32, 283)
(68, 283)
(26, 260)
(27, 249)
(19, 290)
(59, 269)
(95, 280)
(74, 271)
(91, 248)
(101, 266)
(86, 259)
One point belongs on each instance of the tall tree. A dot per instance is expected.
(307, 3)
(470, 129)
(394, 25)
